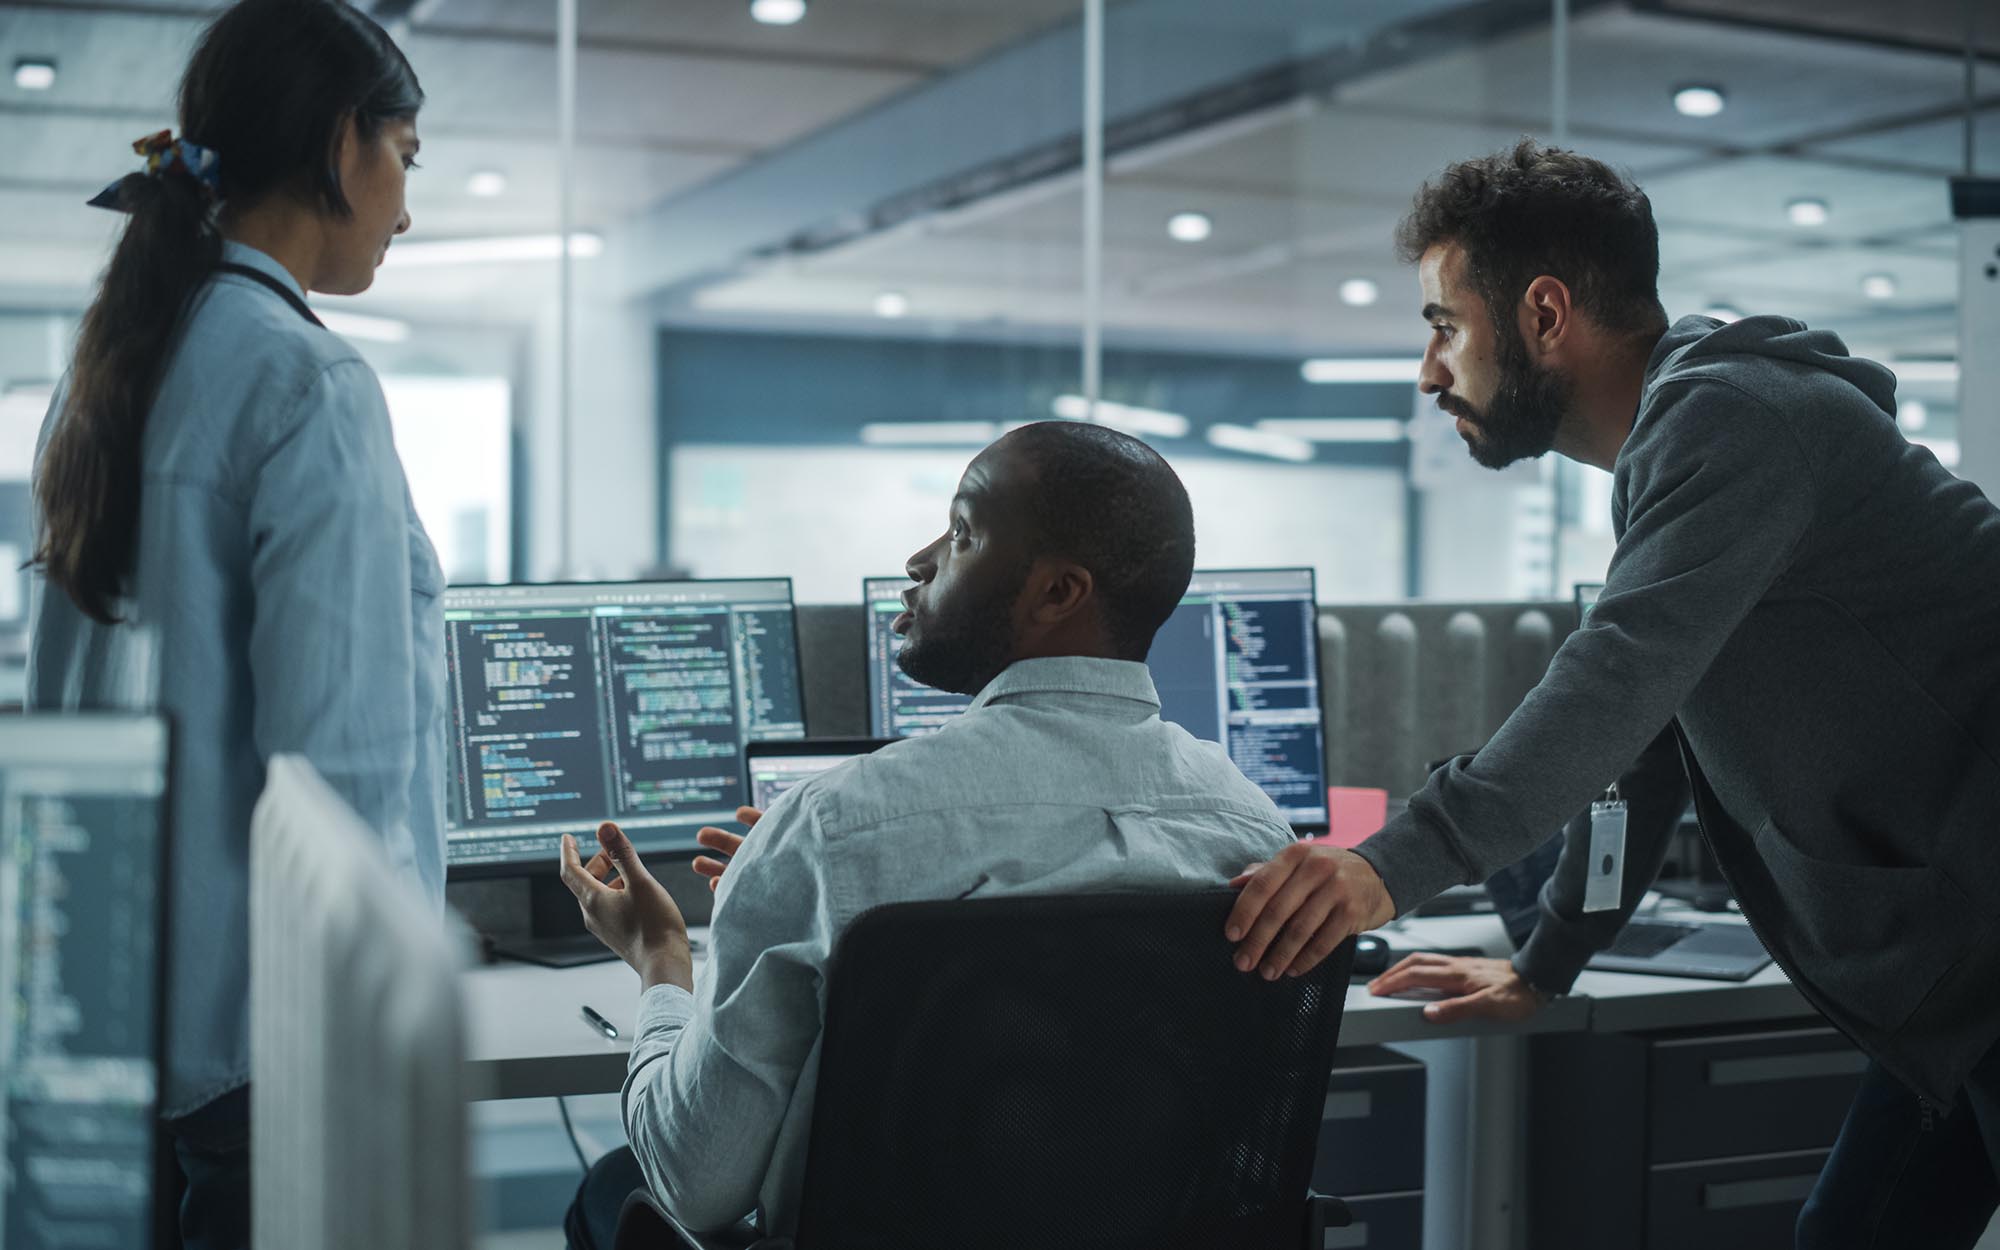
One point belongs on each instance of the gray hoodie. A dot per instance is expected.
(1818, 602)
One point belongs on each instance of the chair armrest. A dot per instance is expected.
(643, 1224)
(1322, 1213)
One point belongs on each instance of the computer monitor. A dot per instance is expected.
(898, 705)
(83, 911)
(1237, 663)
(771, 768)
(577, 703)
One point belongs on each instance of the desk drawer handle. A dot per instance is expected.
(1345, 1238)
(1351, 1104)
(1730, 1195)
(1786, 1067)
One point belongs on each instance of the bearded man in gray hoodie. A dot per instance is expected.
(1804, 601)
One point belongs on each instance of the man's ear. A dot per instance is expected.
(1546, 315)
(1059, 589)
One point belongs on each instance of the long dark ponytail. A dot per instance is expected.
(269, 89)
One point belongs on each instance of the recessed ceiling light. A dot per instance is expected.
(1879, 286)
(1723, 312)
(1912, 415)
(1359, 292)
(778, 12)
(1695, 100)
(892, 304)
(34, 74)
(1190, 227)
(486, 184)
(1808, 212)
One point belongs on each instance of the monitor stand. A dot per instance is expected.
(556, 937)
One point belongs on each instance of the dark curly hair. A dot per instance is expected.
(1536, 210)
(1115, 506)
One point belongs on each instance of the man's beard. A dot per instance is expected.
(963, 651)
(1528, 406)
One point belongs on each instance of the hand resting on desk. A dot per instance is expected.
(1475, 988)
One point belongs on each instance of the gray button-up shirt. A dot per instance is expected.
(1062, 778)
(285, 600)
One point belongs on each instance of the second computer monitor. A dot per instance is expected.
(83, 924)
(1237, 663)
(573, 704)
(898, 705)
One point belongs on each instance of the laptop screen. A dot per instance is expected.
(775, 767)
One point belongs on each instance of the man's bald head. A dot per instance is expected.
(1112, 504)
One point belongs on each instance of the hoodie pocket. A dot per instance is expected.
(1875, 940)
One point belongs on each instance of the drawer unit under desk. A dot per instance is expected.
(1748, 1092)
(1371, 1136)
(1704, 1139)
(1729, 1202)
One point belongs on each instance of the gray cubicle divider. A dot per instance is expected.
(833, 669)
(1402, 683)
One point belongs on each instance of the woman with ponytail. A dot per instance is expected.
(223, 526)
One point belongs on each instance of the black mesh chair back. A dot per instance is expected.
(1064, 1072)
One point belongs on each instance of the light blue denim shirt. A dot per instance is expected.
(285, 601)
(1062, 778)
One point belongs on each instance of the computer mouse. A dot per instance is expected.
(1371, 955)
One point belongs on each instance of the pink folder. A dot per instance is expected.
(1353, 812)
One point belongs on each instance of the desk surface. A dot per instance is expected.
(529, 1038)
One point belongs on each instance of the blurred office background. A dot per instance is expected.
(821, 252)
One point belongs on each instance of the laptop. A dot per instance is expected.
(771, 768)
(1712, 951)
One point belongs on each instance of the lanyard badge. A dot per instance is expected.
(1604, 888)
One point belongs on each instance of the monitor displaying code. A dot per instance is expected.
(1237, 663)
(573, 704)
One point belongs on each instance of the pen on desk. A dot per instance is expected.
(602, 1025)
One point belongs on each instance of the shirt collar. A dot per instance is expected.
(1072, 674)
(243, 254)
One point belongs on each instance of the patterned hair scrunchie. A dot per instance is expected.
(167, 156)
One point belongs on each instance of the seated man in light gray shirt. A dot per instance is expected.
(1068, 546)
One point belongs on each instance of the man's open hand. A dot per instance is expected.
(1307, 900)
(634, 915)
(722, 842)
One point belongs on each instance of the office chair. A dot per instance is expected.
(358, 1089)
(1063, 1072)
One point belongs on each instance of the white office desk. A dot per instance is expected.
(528, 1038)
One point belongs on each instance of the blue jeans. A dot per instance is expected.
(1904, 1175)
(212, 1151)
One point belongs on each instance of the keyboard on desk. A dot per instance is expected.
(1719, 951)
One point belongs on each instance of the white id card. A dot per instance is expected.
(1605, 886)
